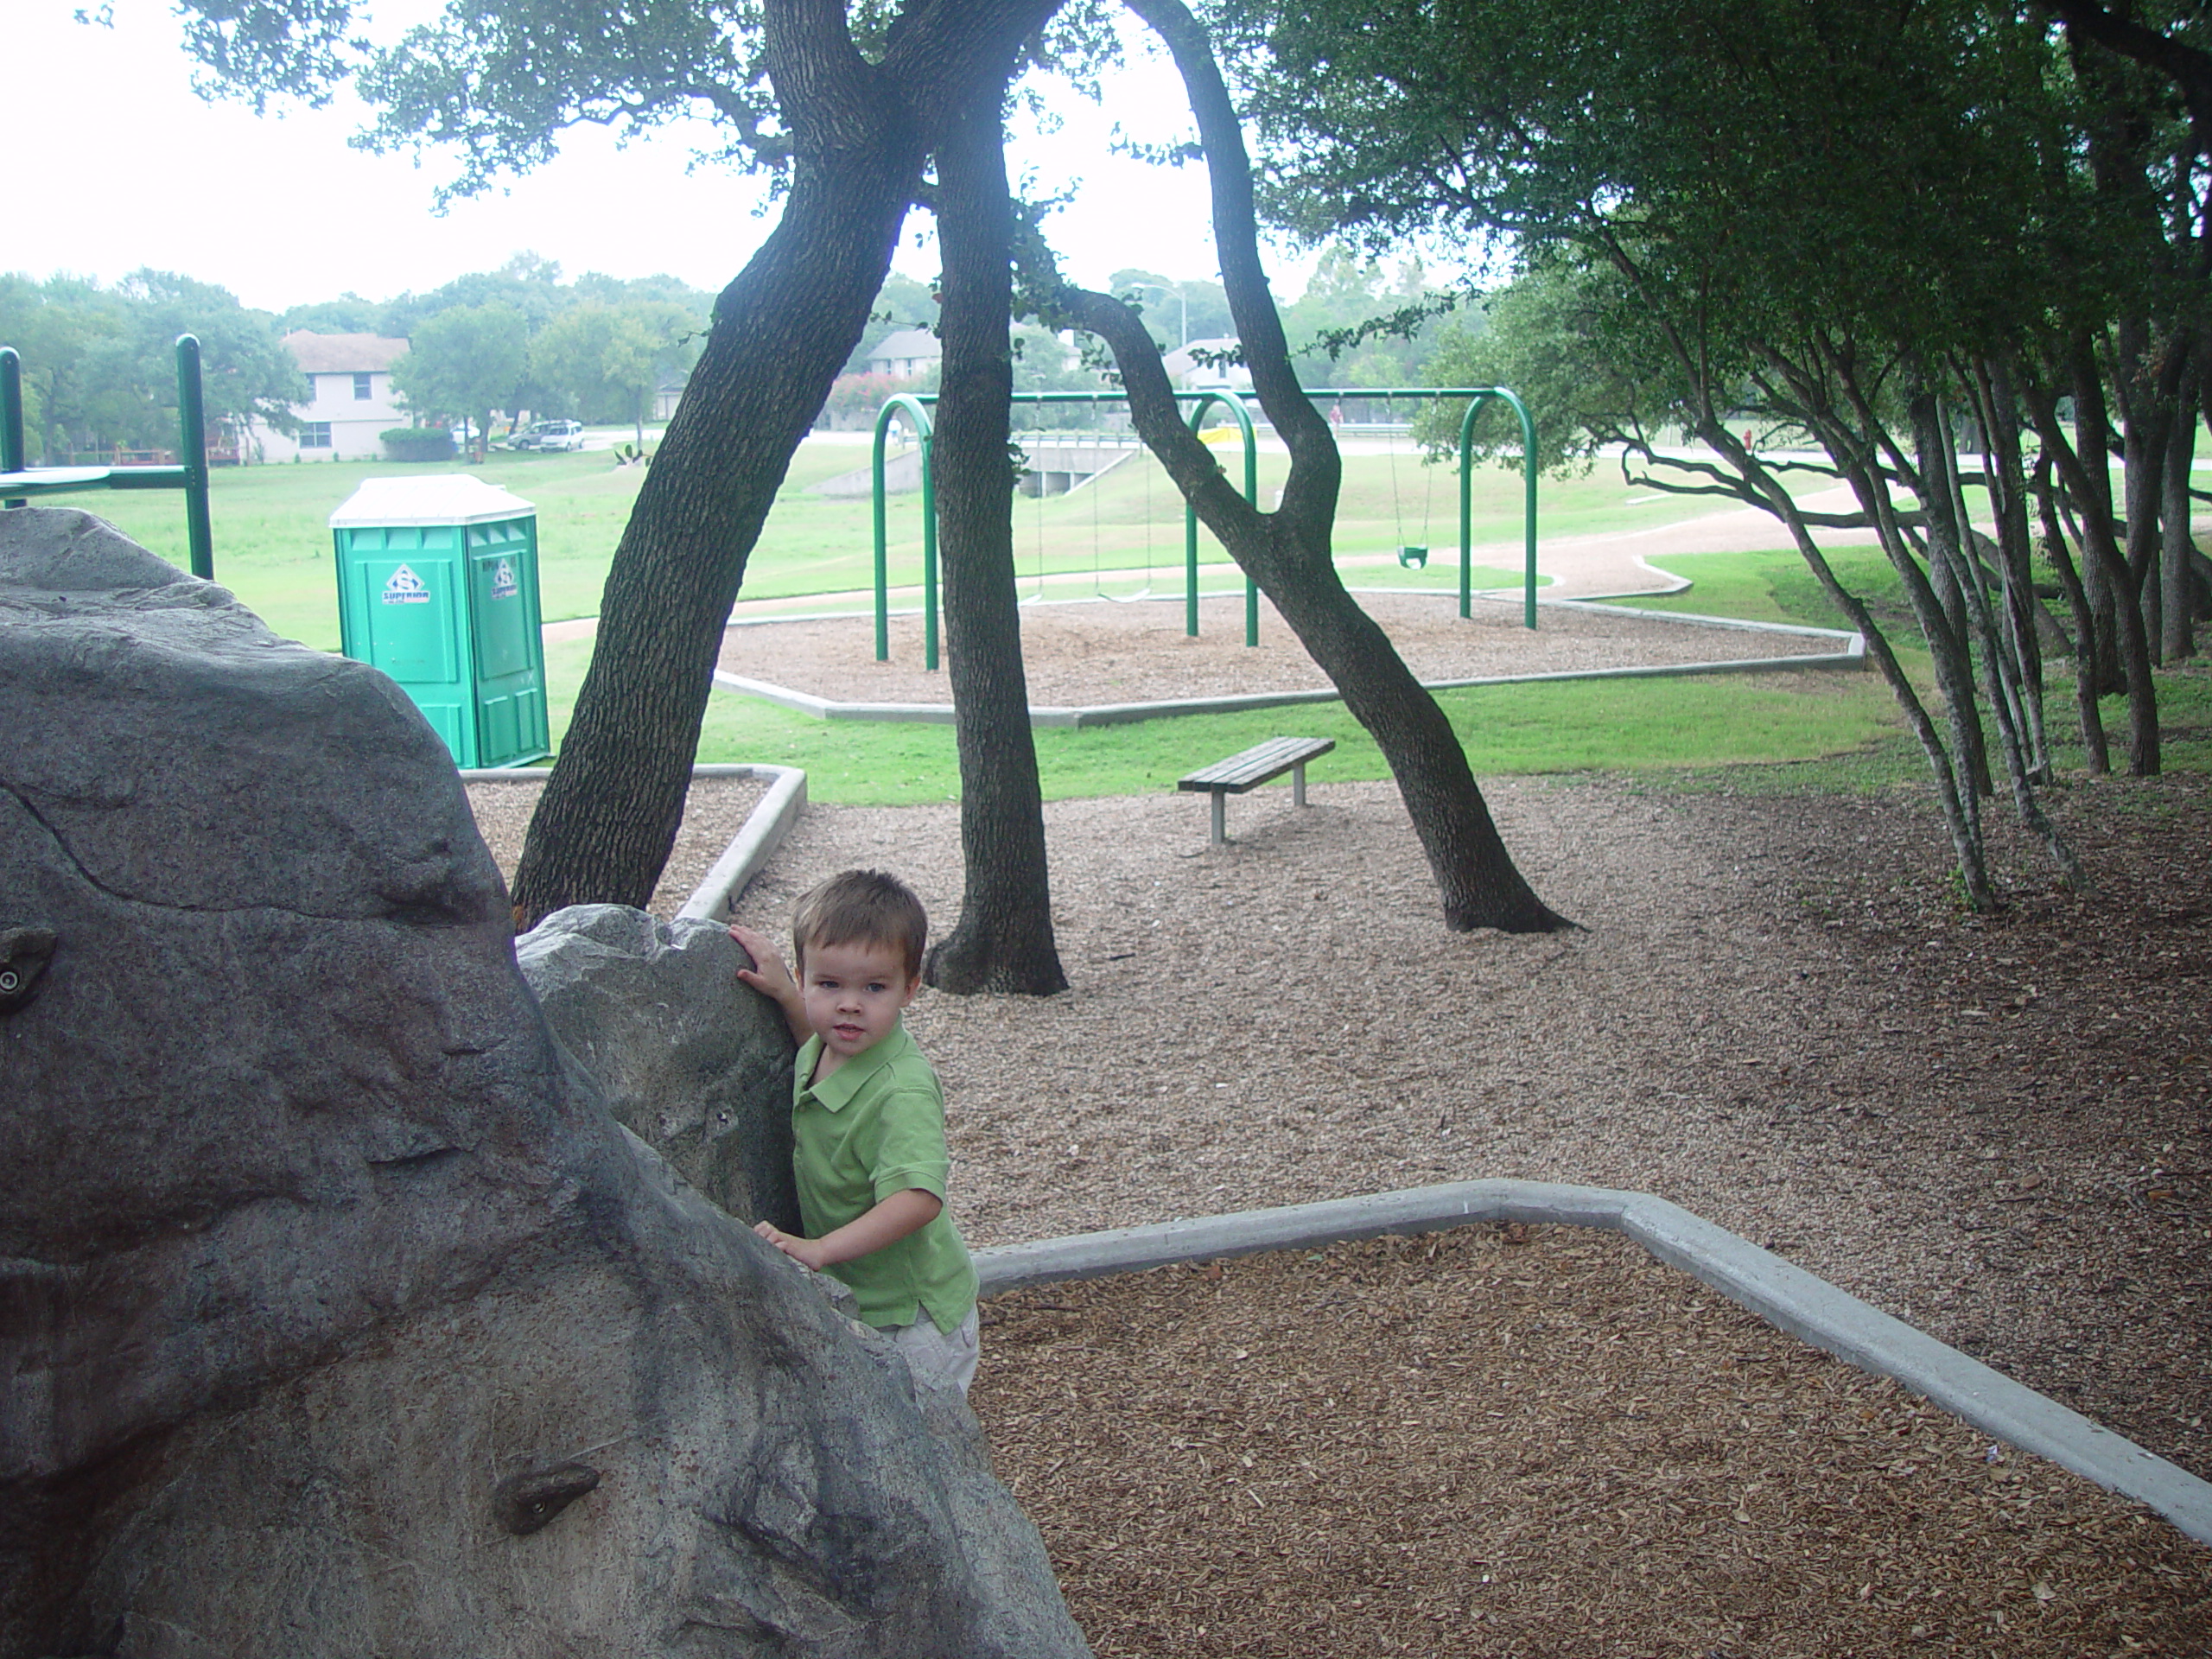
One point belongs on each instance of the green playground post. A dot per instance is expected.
(923, 429)
(12, 417)
(190, 475)
(1235, 405)
(917, 401)
(1478, 397)
(1527, 502)
(192, 452)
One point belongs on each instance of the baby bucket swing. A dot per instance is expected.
(1411, 554)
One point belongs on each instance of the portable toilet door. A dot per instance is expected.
(437, 586)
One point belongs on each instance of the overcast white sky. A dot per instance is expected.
(114, 163)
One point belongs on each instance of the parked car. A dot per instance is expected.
(549, 435)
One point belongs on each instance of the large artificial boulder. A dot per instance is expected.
(337, 1314)
(685, 1054)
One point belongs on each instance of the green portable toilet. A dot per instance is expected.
(437, 586)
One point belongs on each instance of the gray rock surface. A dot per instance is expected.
(338, 1316)
(687, 1056)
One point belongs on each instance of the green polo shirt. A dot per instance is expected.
(873, 1127)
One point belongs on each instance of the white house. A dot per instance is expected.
(1189, 367)
(350, 401)
(908, 352)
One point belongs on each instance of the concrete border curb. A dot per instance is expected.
(765, 828)
(1781, 1293)
(1850, 655)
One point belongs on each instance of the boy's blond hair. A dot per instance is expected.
(864, 906)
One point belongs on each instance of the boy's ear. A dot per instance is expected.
(913, 985)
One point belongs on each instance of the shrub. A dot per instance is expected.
(417, 443)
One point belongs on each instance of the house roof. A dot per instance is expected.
(1184, 363)
(907, 342)
(342, 354)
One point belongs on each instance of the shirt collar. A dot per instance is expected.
(835, 1091)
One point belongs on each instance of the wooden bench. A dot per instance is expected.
(1254, 766)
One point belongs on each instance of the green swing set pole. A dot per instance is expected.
(1528, 503)
(1235, 405)
(917, 403)
(1467, 507)
(190, 475)
(1478, 396)
(192, 452)
(922, 431)
(11, 418)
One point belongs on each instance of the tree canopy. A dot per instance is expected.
(99, 367)
(1865, 229)
(465, 362)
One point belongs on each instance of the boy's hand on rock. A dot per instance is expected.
(768, 974)
(806, 1251)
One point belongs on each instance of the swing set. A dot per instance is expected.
(914, 409)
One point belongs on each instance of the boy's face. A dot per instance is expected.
(853, 994)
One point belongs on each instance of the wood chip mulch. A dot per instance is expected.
(716, 810)
(1080, 654)
(1530, 1441)
(1997, 1129)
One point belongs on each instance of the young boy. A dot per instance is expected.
(868, 1119)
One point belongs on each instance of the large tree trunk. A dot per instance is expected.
(782, 331)
(1288, 552)
(1004, 939)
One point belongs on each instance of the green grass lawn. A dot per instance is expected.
(1560, 727)
(272, 548)
(1777, 587)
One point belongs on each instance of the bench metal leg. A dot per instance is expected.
(1298, 784)
(1220, 799)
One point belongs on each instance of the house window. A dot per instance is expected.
(315, 435)
(361, 391)
(310, 380)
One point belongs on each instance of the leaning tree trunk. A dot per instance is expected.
(782, 331)
(2004, 477)
(1288, 552)
(2042, 404)
(1004, 939)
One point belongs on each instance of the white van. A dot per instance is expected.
(549, 435)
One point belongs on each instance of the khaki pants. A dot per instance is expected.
(938, 1359)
